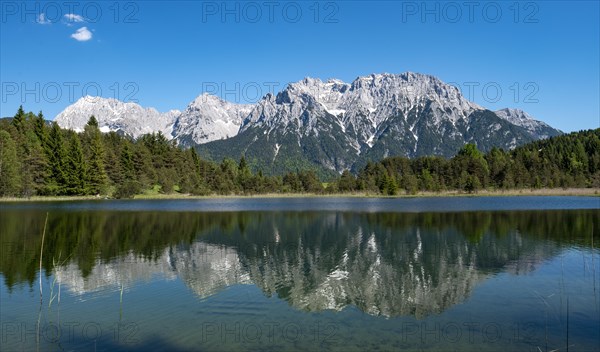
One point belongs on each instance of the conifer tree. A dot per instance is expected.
(245, 176)
(391, 186)
(93, 122)
(39, 127)
(76, 169)
(34, 168)
(9, 166)
(94, 150)
(128, 185)
(18, 120)
(347, 182)
(57, 158)
(127, 167)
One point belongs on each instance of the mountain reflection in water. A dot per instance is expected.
(385, 264)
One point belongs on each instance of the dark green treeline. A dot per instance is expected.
(37, 158)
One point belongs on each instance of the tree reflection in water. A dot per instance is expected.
(386, 264)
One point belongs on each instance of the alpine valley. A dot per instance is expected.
(331, 126)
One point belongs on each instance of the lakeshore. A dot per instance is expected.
(590, 192)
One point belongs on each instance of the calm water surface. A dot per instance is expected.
(347, 274)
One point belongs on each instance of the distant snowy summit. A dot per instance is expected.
(374, 116)
(209, 118)
(205, 119)
(115, 115)
(538, 129)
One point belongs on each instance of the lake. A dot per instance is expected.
(273, 274)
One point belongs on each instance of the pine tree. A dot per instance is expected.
(57, 159)
(142, 164)
(191, 180)
(127, 167)
(76, 169)
(95, 155)
(292, 183)
(498, 162)
(391, 186)
(427, 183)
(347, 182)
(9, 166)
(310, 181)
(92, 122)
(245, 179)
(34, 169)
(39, 127)
(128, 185)
(112, 152)
(18, 120)
(471, 160)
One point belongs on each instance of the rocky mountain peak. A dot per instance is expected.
(115, 115)
(337, 123)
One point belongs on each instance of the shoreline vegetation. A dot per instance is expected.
(583, 192)
(42, 161)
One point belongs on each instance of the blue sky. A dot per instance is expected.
(542, 57)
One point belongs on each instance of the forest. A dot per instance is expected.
(38, 158)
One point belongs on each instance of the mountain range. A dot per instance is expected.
(329, 125)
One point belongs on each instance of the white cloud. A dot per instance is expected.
(71, 17)
(42, 19)
(82, 34)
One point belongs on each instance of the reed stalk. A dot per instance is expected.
(41, 255)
